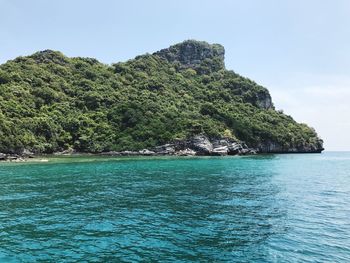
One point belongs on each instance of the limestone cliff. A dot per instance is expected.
(194, 54)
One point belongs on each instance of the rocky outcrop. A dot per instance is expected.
(273, 147)
(221, 151)
(192, 53)
(186, 152)
(146, 152)
(12, 157)
(27, 153)
(2, 156)
(199, 145)
(166, 149)
(202, 145)
(264, 101)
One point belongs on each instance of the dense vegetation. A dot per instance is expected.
(49, 102)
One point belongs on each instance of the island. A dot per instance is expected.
(177, 101)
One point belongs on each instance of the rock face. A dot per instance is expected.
(201, 145)
(27, 153)
(167, 149)
(12, 157)
(146, 152)
(223, 150)
(272, 147)
(186, 152)
(191, 53)
(264, 100)
(2, 156)
(198, 145)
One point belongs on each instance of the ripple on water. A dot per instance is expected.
(277, 208)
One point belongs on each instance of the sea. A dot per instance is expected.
(263, 208)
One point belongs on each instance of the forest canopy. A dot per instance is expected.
(50, 103)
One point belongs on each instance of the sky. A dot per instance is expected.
(298, 49)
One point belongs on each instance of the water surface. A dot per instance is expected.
(273, 208)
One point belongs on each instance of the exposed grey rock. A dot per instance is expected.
(223, 150)
(167, 149)
(146, 152)
(186, 152)
(253, 151)
(3, 156)
(201, 145)
(220, 142)
(234, 148)
(27, 153)
(273, 147)
(12, 157)
(191, 53)
(18, 159)
(244, 151)
(264, 100)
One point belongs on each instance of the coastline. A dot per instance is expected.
(35, 158)
(199, 145)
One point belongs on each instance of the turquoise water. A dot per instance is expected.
(273, 208)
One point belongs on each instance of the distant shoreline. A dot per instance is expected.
(14, 158)
(199, 145)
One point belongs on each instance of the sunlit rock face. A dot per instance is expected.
(193, 54)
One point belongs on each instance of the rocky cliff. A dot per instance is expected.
(193, 54)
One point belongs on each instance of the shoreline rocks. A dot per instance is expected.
(272, 147)
(14, 157)
(186, 152)
(221, 151)
(199, 145)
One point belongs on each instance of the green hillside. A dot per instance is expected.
(49, 103)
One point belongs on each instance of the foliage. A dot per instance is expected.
(49, 102)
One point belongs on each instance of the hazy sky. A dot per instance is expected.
(298, 49)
